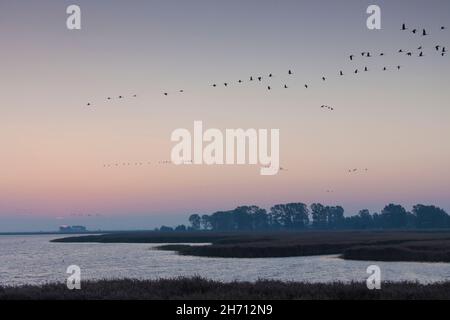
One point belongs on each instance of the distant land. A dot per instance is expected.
(374, 245)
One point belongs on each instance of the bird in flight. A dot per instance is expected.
(323, 78)
(421, 54)
(414, 31)
(306, 86)
(259, 78)
(442, 28)
(269, 88)
(356, 71)
(351, 57)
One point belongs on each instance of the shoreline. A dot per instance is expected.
(410, 246)
(196, 288)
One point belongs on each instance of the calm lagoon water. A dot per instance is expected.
(35, 260)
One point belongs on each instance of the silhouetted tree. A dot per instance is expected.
(290, 216)
(296, 216)
(394, 217)
(195, 221)
(181, 228)
(165, 229)
(335, 217)
(430, 217)
(205, 223)
(319, 216)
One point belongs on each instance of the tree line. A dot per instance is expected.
(298, 216)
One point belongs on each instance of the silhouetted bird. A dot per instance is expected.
(437, 48)
(225, 84)
(384, 69)
(259, 78)
(290, 72)
(381, 54)
(356, 71)
(134, 95)
(165, 93)
(414, 31)
(404, 27)
(409, 54)
(421, 54)
(400, 51)
(269, 88)
(424, 32)
(181, 91)
(368, 55)
(398, 67)
(109, 98)
(323, 78)
(270, 75)
(214, 85)
(351, 57)
(240, 81)
(120, 97)
(444, 50)
(365, 69)
(363, 54)
(285, 86)
(306, 86)
(341, 73)
(251, 78)
(88, 104)
(419, 48)
(442, 28)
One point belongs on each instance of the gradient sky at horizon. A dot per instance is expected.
(54, 147)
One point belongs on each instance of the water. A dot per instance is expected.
(35, 260)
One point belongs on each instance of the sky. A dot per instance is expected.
(55, 147)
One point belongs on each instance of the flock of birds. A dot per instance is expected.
(356, 170)
(439, 49)
(161, 162)
(137, 164)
